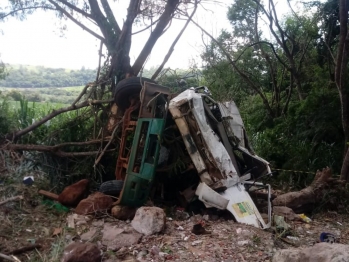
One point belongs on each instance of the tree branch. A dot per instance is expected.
(111, 17)
(242, 74)
(164, 19)
(78, 10)
(14, 136)
(76, 21)
(170, 51)
(103, 24)
(27, 8)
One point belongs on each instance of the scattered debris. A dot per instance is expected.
(280, 222)
(57, 231)
(304, 218)
(198, 229)
(285, 212)
(328, 237)
(10, 258)
(149, 220)
(28, 180)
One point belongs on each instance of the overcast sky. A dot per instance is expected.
(38, 41)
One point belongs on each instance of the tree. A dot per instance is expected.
(341, 78)
(102, 20)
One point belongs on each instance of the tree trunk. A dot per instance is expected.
(308, 195)
(341, 81)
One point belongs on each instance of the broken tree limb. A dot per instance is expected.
(25, 249)
(48, 194)
(170, 51)
(52, 149)
(308, 195)
(105, 148)
(10, 258)
(15, 198)
(14, 136)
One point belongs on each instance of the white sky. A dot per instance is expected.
(37, 41)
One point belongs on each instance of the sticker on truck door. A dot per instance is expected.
(243, 209)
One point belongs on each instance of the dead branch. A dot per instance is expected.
(76, 21)
(15, 198)
(48, 194)
(16, 135)
(44, 148)
(25, 249)
(10, 258)
(170, 51)
(111, 138)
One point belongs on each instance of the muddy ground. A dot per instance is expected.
(36, 221)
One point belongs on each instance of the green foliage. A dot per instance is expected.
(6, 117)
(39, 76)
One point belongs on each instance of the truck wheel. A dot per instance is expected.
(126, 88)
(112, 187)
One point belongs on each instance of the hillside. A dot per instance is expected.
(39, 76)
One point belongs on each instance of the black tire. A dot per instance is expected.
(112, 187)
(126, 88)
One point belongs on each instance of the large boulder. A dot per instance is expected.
(73, 194)
(321, 252)
(285, 212)
(81, 252)
(149, 220)
(95, 203)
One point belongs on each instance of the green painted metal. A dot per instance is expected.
(143, 161)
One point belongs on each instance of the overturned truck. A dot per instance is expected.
(188, 143)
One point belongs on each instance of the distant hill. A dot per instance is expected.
(39, 76)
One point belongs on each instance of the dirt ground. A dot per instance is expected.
(35, 221)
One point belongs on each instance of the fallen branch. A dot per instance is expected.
(44, 148)
(15, 198)
(10, 258)
(25, 249)
(48, 194)
(14, 136)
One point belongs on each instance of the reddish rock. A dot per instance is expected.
(82, 252)
(97, 202)
(74, 193)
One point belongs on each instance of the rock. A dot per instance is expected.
(81, 252)
(285, 212)
(123, 212)
(97, 202)
(115, 238)
(110, 232)
(322, 252)
(149, 220)
(73, 194)
(88, 235)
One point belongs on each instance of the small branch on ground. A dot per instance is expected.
(11, 199)
(10, 258)
(25, 249)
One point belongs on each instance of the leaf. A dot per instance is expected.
(57, 231)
